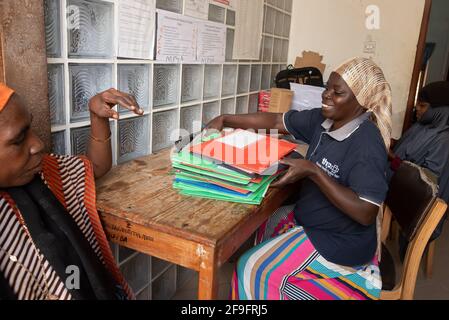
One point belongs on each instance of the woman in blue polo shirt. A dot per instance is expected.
(324, 247)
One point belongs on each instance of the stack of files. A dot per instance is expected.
(203, 176)
(198, 177)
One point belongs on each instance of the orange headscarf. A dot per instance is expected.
(5, 95)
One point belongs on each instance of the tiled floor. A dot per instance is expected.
(436, 288)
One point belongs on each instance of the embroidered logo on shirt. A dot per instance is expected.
(331, 169)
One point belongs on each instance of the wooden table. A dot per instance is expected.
(140, 210)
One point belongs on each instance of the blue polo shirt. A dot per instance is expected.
(356, 157)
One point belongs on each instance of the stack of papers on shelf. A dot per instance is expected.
(205, 169)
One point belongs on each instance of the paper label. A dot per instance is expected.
(241, 139)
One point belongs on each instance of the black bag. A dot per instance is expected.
(310, 76)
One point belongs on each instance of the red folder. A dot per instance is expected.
(246, 151)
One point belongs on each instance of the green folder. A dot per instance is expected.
(211, 174)
(253, 198)
(183, 160)
(205, 195)
(183, 163)
(252, 187)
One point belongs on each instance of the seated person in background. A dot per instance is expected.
(52, 245)
(324, 247)
(426, 143)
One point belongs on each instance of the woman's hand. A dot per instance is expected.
(216, 124)
(101, 105)
(344, 198)
(99, 150)
(214, 127)
(298, 170)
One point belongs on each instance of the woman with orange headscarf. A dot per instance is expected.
(324, 247)
(52, 245)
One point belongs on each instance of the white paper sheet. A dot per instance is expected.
(197, 9)
(176, 38)
(241, 139)
(182, 39)
(211, 43)
(136, 28)
(306, 97)
(248, 29)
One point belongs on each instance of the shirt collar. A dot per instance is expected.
(347, 130)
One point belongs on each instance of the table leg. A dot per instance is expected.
(208, 275)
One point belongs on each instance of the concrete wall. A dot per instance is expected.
(2, 71)
(336, 29)
(22, 26)
(439, 33)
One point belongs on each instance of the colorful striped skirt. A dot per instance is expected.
(286, 266)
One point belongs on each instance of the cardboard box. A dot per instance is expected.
(281, 100)
(310, 59)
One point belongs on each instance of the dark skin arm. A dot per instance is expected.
(99, 149)
(340, 196)
(256, 121)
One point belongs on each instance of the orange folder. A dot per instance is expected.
(246, 151)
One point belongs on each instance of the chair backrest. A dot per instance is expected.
(412, 201)
(309, 76)
(412, 192)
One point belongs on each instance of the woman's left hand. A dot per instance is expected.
(298, 170)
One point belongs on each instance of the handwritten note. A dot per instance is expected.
(136, 28)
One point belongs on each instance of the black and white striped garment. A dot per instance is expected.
(73, 176)
(25, 278)
(71, 180)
